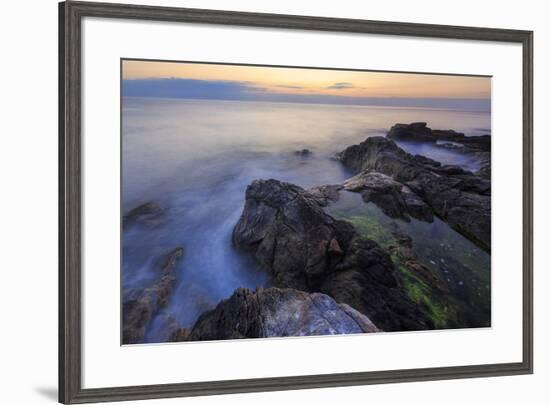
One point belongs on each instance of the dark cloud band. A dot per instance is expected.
(247, 91)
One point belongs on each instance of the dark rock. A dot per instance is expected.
(481, 143)
(485, 171)
(372, 180)
(460, 198)
(179, 335)
(395, 199)
(416, 207)
(470, 144)
(420, 132)
(423, 160)
(448, 135)
(334, 248)
(279, 223)
(401, 238)
(324, 195)
(405, 252)
(139, 306)
(417, 132)
(303, 152)
(451, 146)
(450, 169)
(276, 312)
(149, 213)
(304, 248)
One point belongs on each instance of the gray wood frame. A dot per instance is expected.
(70, 361)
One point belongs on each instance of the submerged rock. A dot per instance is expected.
(404, 251)
(459, 197)
(304, 248)
(149, 213)
(303, 152)
(276, 312)
(139, 306)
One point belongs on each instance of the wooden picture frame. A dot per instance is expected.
(70, 200)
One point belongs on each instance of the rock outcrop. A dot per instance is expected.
(395, 199)
(420, 132)
(304, 248)
(139, 306)
(150, 214)
(470, 143)
(276, 312)
(417, 131)
(457, 196)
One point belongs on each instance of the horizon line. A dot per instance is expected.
(312, 103)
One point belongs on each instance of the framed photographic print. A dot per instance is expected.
(256, 202)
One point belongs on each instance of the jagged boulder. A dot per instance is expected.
(289, 232)
(276, 312)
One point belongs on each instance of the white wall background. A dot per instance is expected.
(28, 207)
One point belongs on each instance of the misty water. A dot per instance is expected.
(196, 157)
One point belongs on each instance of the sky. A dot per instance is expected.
(274, 84)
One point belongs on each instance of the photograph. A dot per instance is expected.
(275, 201)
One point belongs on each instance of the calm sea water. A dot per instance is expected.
(196, 158)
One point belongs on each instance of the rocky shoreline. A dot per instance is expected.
(327, 276)
(480, 145)
(304, 248)
(139, 306)
(459, 197)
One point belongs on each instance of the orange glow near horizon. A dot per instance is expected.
(319, 81)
